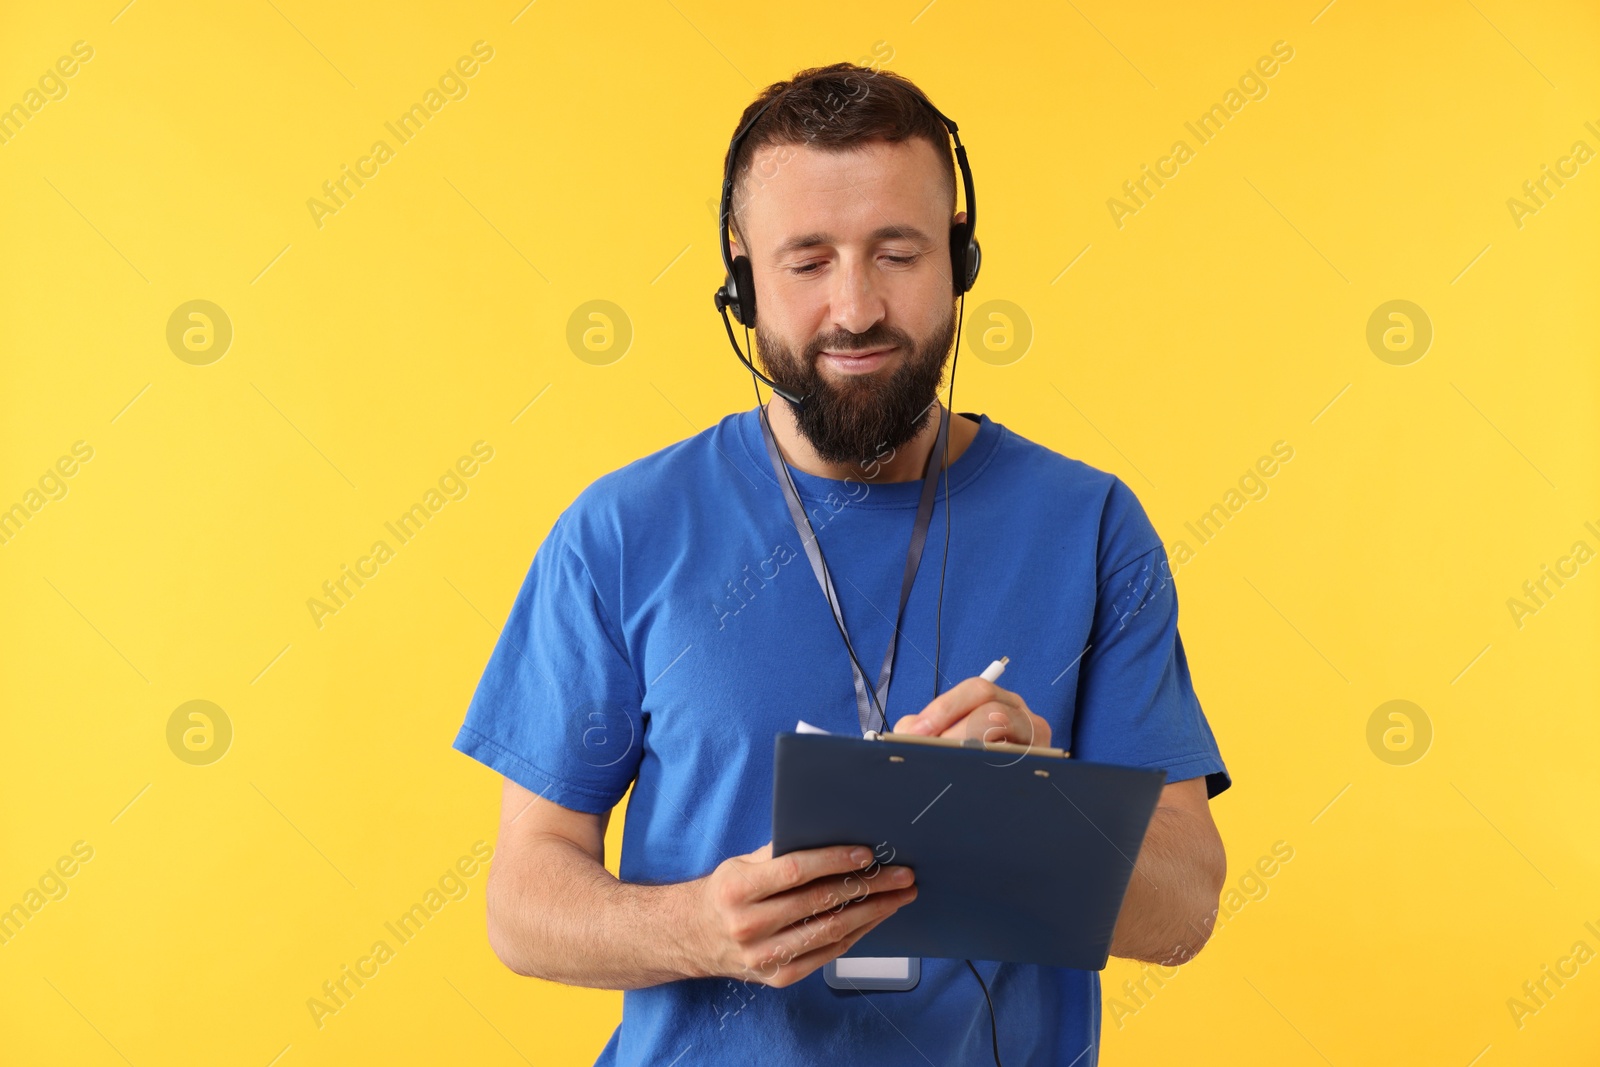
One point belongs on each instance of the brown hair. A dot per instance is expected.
(837, 108)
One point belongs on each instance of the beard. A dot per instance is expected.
(860, 418)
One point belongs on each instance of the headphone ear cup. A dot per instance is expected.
(744, 287)
(964, 258)
(958, 257)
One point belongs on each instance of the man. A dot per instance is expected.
(670, 626)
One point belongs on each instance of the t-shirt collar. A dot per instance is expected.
(861, 491)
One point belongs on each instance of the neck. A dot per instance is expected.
(905, 464)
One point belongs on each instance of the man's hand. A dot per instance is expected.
(978, 708)
(774, 921)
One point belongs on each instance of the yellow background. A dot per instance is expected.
(369, 353)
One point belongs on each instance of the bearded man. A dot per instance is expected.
(667, 630)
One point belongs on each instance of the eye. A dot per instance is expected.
(811, 268)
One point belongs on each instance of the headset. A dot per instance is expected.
(738, 294)
(738, 291)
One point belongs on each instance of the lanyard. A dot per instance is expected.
(919, 536)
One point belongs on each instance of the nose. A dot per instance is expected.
(857, 301)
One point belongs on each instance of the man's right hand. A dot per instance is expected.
(774, 921)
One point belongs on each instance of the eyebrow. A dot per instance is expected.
(814, 240)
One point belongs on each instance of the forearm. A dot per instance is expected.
(1171, 904)
(565, 918)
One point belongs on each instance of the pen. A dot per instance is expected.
(993, 671)
(990, 673)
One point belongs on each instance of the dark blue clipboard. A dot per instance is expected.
(1019, 858)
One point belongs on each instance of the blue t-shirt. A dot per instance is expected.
(670, 626)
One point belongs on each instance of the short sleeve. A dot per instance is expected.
(558, 707)
(1136, 704)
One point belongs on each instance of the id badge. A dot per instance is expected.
(873, 973)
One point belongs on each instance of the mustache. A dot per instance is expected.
(878, 337)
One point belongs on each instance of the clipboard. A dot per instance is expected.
(1018, 858)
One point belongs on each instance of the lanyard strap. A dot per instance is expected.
(919, 537)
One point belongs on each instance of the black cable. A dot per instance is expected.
(994, 1026)
(994, 1031)
(938, 615)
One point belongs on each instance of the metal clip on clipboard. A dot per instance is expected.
(803, 727)
(970, 742)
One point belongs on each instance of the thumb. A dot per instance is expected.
(762, 853)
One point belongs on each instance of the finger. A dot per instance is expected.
(1001, 726)
(762, 853)
(992, 721)
(823, 896)
(826, 931)
(954, 704)
(1035, 731)
(782, 873)
(804, 964)
(998, 721)
(867, 914)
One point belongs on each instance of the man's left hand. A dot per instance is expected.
(978, 708)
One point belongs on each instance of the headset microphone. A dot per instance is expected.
(723, 302)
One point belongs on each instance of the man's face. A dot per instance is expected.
(855, 308)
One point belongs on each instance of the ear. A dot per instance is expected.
(961, 216)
